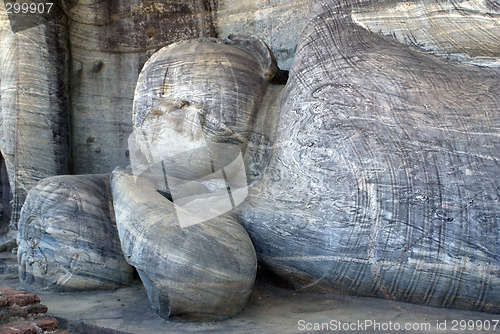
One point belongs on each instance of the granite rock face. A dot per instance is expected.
(378, 176)
(34, 131)
(5, 199)
(67, 238)
(109, 44)
(383, 179)
(201, 272)
(278, 22)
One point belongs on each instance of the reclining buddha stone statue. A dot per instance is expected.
(373, 172)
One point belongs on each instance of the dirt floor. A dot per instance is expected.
(269, 310)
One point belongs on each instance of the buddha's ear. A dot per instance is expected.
(260, 50)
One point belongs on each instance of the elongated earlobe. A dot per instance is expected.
(260, 50)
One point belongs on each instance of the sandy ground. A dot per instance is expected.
(269, 310)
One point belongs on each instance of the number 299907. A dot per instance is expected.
(25, 7)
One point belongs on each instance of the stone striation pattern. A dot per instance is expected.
(467, 31)
(67, 238)
(34, 117)
(383, 179)
(79, 63)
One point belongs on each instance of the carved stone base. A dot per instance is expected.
(67, 236)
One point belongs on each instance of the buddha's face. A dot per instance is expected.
(191, 99)
(194, 106)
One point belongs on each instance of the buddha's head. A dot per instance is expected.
(195, 102)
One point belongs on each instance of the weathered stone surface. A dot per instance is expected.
(278, 22)
(109, 43)
(201, 272)
(67, 237)
(384, 175)
(464, 30)
(34, 135)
